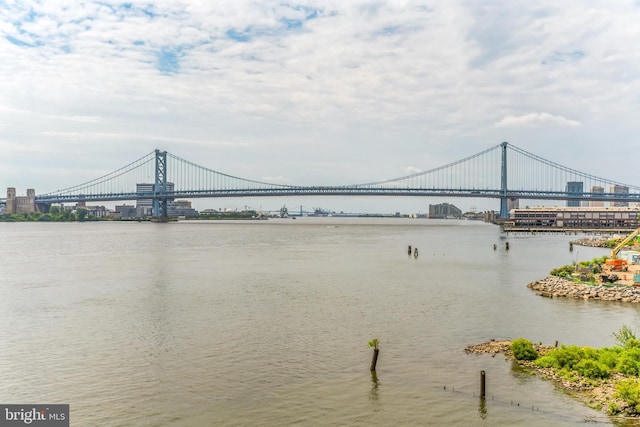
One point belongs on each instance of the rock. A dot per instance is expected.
(553, 286)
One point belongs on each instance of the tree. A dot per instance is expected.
(625, 337)
(82, 214)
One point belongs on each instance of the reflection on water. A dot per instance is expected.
(482, 407)
(267, 322)
(373, 393)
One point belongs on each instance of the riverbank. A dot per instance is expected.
(597, 394)
(593, 242)
(559, 287)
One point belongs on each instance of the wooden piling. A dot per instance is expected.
(374, 359)
(482, 384)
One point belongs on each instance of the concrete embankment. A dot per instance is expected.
(555, 287)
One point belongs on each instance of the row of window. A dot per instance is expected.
(577, 223)
(589, 215)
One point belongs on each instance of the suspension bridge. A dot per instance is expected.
(501, 172)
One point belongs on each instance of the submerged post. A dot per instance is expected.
(482, 384)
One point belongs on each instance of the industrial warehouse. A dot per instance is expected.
(599, 219)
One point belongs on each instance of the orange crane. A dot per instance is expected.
(620, 264)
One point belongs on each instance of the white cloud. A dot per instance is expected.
(328, 92)
(410, 170)
(536, 120)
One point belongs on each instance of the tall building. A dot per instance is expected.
(620, 189)
(184, 208)
(597, 203)
(20, 204)
(574, 188)
(444, 210)
(144, 207)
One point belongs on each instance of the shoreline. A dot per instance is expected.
(596, 394)
(559, 287)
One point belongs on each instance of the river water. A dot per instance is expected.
(267, 322)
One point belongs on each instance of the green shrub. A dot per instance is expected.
(591, 369)
(629, 391)
(609, 357)
(613, 408)
(567, 356)
(590, 353)
(564, 271)
(547, 361)
(627, 365)
(523, 349)
(567, 374)
(612, 243)
(625, 337)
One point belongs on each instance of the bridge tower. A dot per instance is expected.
(504, 205)
(160, 188)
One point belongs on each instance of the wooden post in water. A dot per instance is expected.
(374, 359)
(375, 345)
(482, 384)
(507, 245)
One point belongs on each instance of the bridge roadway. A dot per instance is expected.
(342, 191)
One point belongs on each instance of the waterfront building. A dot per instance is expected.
(96, 211)
(584, 218)
(144, 207)
(125, 211)
(574, 188)
(444, 210)
(620, 189)
(183, 208)
(20, 204)
(597, 203)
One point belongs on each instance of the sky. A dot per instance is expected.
(315, 92)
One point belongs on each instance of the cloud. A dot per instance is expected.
(410, 170)
(536, 120)
(283, 88)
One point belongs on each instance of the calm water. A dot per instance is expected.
(267, 322)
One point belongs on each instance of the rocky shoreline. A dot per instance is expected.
(556, 287)
(595, 394)
(592, 242)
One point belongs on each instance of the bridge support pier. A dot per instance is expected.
(160, 213)
(504, 201)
